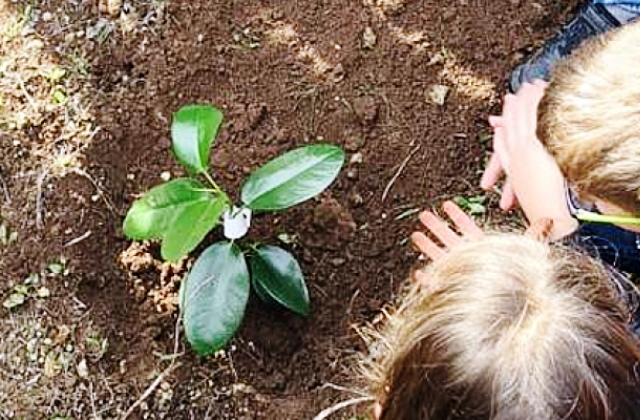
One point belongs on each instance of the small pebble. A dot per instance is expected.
(356, 158)
(369, 38)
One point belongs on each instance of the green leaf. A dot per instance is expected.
(190, 227)
(193, 130)
(215, 296)
(149, 216)
(260, 291)
(277, 274)
(22, 289)
(473, 205)
(56, 74)
(152, 216)
(292, 178)
(59, 97)
(14, 300)
(179, 212)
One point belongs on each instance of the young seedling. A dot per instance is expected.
(179, 213)
(473, 205)
(30, 288)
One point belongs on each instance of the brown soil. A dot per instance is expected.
(286, 73)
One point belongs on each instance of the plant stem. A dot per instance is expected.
(211, 181)
(216, 187)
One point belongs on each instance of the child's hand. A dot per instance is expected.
(494, 171)
(441, 230)
(532, 173)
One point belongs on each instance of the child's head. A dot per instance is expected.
(510, 328)
(589, 118)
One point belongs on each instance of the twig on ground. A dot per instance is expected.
(7, 198)
(343, 389)
(399, 171)
(233, 368)
(93, 402)
(78, 239)
(26, 94)
(329, 411)
(101, 192)
(151, 388)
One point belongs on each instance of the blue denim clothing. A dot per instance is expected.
(623, 10)
(631, 5)
(616, 246)
(593, 18)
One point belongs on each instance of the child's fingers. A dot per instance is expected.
(440, 229)
(492, 173)
(421, 278)
(427, 246)
(465, 224)
(508, 198)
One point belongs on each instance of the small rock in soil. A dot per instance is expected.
(366, 109)
(356, 158)
(437, 94)
(111, 7)
(369, 38)
(337, 262)
(337, 74)
(356, 199)
(83, 370)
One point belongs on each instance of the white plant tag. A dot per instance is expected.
(236, 222)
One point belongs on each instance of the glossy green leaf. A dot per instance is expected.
(179, 212)
(150, 215)
(292, 178)
(190, 227)
(193, 131)
(278, 275)
(214, 297)
(260, 291)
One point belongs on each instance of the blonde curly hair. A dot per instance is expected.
(511, 328)
(589, 117)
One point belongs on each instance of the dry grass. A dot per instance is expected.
(52, 358)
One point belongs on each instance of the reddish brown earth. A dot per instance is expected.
(286, 73)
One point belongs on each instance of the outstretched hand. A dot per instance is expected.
(466, 229)
(449, 237)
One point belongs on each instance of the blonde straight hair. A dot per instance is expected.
(510, 328)
(589, 117)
